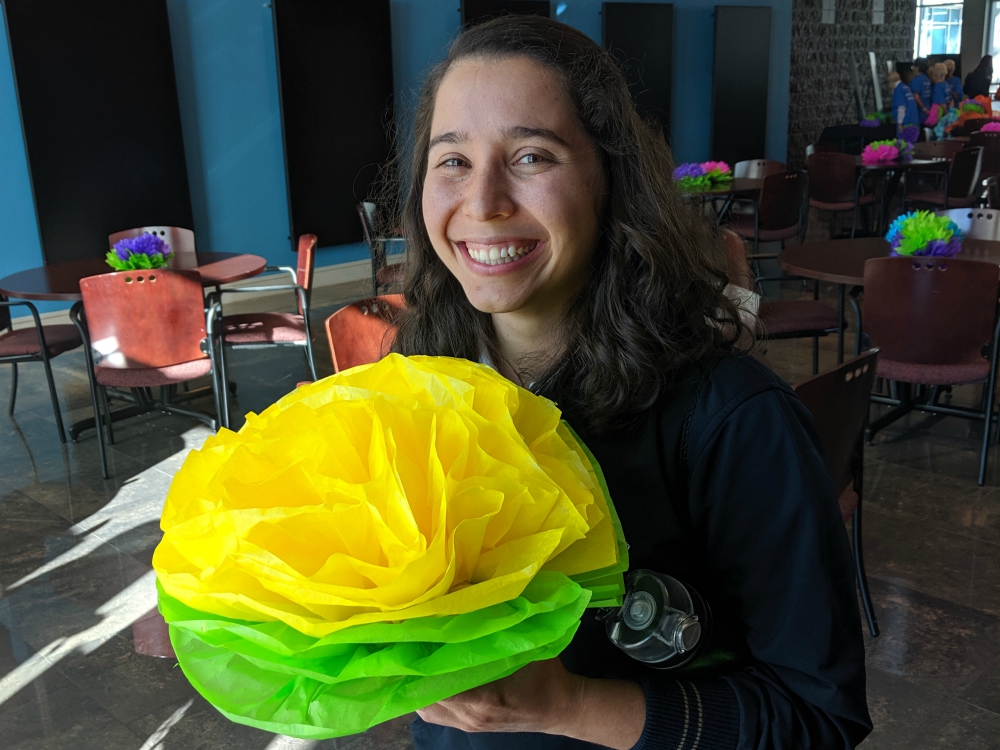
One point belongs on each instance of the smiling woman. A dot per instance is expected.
(545, 237)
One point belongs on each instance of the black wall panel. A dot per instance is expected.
(335, 71)
(98, 102)
(739, 82)
(641, 36)
(477, 11)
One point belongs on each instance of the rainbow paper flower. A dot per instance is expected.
(920, 233)
(380, 540)
(972, 107)
(990, 127)
(139, 253)
(882, 152)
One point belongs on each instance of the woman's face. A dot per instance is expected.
(514, 187)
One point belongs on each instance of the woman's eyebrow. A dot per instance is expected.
(520, 132)
(451, 136)
(514, 132)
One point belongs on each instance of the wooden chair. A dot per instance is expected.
(834, 185)
(838, 400)
(935, 322)
(937, 149)
(976, 223)
(990, 143)
(957, 187)
(146, 329)
(36, 344)
(755, 168)
(261, 330)
(781, 319)
(383, 274)
(363, 332)
(780, 212)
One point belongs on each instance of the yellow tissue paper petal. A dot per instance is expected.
(412, 487)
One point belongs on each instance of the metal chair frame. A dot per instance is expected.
(42, 356)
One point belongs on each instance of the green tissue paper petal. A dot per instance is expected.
(270, 676)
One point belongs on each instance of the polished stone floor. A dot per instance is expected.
(75, 553)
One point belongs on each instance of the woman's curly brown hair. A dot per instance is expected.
(654, 301)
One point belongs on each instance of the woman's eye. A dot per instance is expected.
(453, 162)
(530, 159)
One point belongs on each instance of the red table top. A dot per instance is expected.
(843, 261)
(61, 281)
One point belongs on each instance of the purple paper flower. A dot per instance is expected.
(144, 244)
(688, 170)
(947, 248)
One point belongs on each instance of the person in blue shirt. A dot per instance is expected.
(941, 93)
(904, 106)
(922, 88)
(954, 82)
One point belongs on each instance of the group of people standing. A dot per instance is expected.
(924, 93)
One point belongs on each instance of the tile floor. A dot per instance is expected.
(75, 552)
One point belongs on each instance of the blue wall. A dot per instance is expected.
(227, 86)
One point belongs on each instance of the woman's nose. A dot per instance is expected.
(488, 194)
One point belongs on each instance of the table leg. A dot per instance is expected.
(841, 291)
(858, 327)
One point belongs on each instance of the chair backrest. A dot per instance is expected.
(180, 240)
(363, 332)
(990, 142)
(5, 321)
(838, 400)
(366, 211)
(832, 177)
(781, 200)
(931, 310)
(937, 149)
(975, 223)
(306, 261)
(755, 168)
(737, 266)
(963, 179)
(139, 319)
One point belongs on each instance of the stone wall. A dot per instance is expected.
(821, 92)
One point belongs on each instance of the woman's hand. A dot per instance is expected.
(544, 697)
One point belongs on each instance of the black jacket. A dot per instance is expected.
(723, 486)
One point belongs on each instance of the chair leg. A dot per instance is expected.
(815, 355)
(988, 419)
(13, 388)
(859, 563)
(106, 406)
(98, 422)
(76, 315)
(55, 399)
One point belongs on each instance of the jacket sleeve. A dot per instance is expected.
(762, 501)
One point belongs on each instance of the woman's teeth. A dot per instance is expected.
(494, 255)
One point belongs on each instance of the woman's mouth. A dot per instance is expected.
(500, 253)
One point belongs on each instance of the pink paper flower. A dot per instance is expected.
(879, 154)
(990, 127)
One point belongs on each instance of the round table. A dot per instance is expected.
(843, 261)
(61, 281)
(731, 187)
(836, 261)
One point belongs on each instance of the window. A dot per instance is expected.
(993, 29)
(939, 28)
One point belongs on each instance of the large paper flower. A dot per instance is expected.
(379, 540)
(924, 233)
